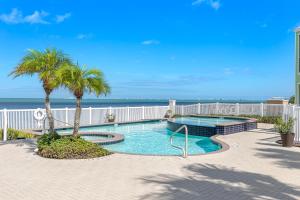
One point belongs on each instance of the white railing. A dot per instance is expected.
(185, 148)
(23, 119)
(231, 109)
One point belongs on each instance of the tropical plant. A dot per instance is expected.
(264, 119)
(169, 114)
(13, 134)
(284, 127)
(69, 147)
(110, 117)
(292, 100)
(44, 64)
(80, 80)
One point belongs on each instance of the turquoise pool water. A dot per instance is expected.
(206, 121)
(151, 138)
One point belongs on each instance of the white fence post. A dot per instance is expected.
(90, 113)
(295, 129)
(4, 124)
(67, 115)
(237, 109)
(143, 112)
(262, 109)
(128, 114)
(285, 112)
(217, 108)
(294, 114)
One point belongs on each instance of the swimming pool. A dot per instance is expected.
(150, 138)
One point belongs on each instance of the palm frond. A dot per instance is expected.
(44, 63)
(80, 80)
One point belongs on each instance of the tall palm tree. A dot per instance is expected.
(44, 64)
(80, 80)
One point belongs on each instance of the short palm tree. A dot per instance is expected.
(44, 64)
(80, 80)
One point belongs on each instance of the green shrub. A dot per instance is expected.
(69, 147)
(13, 134)
(284, 127)
(292, 100)
(264, 119)
(47, 139)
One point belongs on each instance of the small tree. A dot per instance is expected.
(79, 80)
(292, 100)
(44, 64)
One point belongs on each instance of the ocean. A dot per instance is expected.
(22, 103)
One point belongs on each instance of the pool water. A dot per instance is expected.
(94, 137)
(206, 121)
(152, 138)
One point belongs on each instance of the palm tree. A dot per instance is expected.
(80, 80)
(44, 64)
(292, 99)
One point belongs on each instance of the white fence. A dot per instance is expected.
(231, 109)
(23, 119)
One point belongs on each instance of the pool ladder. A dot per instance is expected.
(185, 148)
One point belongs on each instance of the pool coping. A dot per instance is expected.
(115, 137)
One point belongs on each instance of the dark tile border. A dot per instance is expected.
(221, 129)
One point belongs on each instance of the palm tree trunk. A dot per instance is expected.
(49, 113)
(77, 116)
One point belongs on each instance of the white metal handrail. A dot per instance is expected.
(185, 148)
(44, 123)
(63, 122)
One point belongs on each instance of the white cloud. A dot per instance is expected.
(14, 17)
(82, 36)
(215, 4)
(150, 42)
(36, 18)
(61, 18)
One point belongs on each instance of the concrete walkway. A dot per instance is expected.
(253, 168)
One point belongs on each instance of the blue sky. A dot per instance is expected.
(186, 49)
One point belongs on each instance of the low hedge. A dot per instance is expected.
(264, 119)
(13, 134)
(68, 147)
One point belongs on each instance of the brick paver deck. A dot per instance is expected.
(253, 168)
